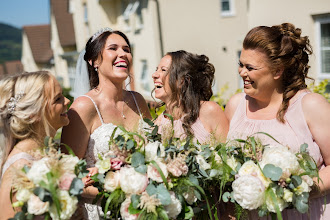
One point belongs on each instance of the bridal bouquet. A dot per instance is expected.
(149, 176)
(272, 178)
(50, 186)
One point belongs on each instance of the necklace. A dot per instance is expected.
(122, 111)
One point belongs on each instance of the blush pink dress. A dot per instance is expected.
(199, 131)
(292, 133)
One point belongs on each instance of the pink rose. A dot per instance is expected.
(124, 210)
(177, 166)
(116, 163)
(66, 180)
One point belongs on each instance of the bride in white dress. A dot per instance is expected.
(31, 107)
(94, 116)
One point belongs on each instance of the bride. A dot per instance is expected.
(94, 116)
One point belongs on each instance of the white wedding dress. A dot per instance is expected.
(99, 144)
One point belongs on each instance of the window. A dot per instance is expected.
(130, 9)
(85, 13)
(227, 8)
(144, 76)
(323, 39)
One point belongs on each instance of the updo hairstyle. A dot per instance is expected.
(286, 50)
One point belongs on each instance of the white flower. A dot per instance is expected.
(280, 202)
(112, 181)
(287, 195)
(38, 171)
(68, 206)
(103, 165)
(202, 162)
(189, 196)
(36, 206)
(249, 192)
(308, 180)
(153, 172)
(217, 158)
(23, 195)
(303, 187)
(124, 210)
(132, 182)
(250, 168)
(282, 157)
(68, 163)
(231, 161)
(151, 151)
(173, 209)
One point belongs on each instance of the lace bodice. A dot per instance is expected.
(99, 142)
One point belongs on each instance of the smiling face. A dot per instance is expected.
(56, 111)
(116, 60)
(161, 79)
(259, 80)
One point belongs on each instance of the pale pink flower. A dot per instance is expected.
(66, 180)
(177, 166)
(124, 210)
(153, 172)
(116, 163)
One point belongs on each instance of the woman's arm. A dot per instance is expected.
(317, 114)
(214, 120)
(76, 134)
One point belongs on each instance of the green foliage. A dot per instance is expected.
(10, 43)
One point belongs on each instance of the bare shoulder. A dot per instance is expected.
(313, 102)
(209, 108)
(232, 105)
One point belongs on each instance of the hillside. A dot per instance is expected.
(10, 43)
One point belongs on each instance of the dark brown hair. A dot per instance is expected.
(286, 50)
(190, 79)
(94, 51)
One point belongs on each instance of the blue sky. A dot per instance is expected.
(19, 13)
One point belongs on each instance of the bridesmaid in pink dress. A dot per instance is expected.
(274, 66)
(183, 81)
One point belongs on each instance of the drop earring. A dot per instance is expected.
(96, 69)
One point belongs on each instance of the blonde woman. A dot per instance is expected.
(31, 107)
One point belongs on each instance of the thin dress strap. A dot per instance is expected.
(97, 109)
(136, 103)
(15, 158)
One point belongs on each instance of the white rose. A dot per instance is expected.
(36, 206)
(151, 151)
(132, 182)
(38, 171)
(173, 209)
(303, 187)
(103, 165)
(249, 192)
(124, 210)
(68, 163)
(202, 162)
(153, 172)
(308, 180)
(68, 206)
(217, 158)
(231, 161)
(250, 168)
(280, 202)
(287, 195)
(282, 157)
(190, 196)
(111, 181)
(23, 195)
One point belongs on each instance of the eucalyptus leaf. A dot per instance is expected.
(137, 159)
(76, 187)
(272, 172)
(303, 147)
(18, 216)
(296, 180)
(163, 195)
(141, 169)
(301, 202)
(26, 169)
(193, 179)
(226, 196)
(43, 194)
(214, 173)
(130, 144)
(198, 195)
(135, 200)
(151, 189)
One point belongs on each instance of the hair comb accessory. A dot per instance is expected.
(13, 102)
(99, 32)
